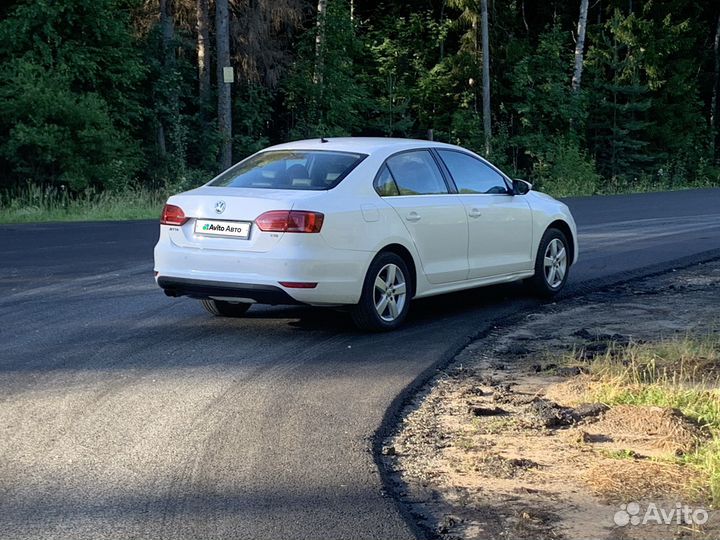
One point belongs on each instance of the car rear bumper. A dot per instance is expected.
(209, 273)
(196, 288)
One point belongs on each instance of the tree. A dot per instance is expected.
(715, 87)
(106, 92)
(222, 40)
(264, 40)
(320, 42)
(335, 104)
(542, 99)
(70, 112)
(580, 45)
(486, 76)
(619, 126)
(410, 91)
(263, 49)
(202, 14)
(479, 43)
(167, 30)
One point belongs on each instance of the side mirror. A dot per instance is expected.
(521, 187)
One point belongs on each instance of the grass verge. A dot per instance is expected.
(32, 203)
(681, 374)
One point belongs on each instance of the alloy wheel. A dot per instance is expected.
(555, 264)
(390, 292)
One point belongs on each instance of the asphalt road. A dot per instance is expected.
(126, 414)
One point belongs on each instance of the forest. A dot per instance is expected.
(577, 96)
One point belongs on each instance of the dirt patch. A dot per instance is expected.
(613, 480)
(501, 445)
(650, 429)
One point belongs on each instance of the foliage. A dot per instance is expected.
(253, 110)
(89, 98)
(544, 105)
(168, 86)
(564, 170)
(68, 106)
(332, 102)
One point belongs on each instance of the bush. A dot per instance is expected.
(564, 170)
(58, 136)
(67, 102)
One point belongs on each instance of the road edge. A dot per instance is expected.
(393, 412)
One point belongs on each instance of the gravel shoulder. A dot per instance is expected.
(499, 444)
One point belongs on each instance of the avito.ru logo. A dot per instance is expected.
(631, 514)
(213, 227)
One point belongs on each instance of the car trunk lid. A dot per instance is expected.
(232, 206)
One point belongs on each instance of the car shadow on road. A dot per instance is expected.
(423, 311)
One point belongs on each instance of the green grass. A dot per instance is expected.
(566, 189)
(583, 185)
(32, 203)
(683, 374)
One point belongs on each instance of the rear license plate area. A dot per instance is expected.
(225, 229)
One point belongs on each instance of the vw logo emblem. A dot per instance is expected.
(219, 207)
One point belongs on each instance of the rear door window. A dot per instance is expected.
(416, 173)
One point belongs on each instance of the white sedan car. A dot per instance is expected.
(366, 223)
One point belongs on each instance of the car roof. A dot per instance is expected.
(365, 145)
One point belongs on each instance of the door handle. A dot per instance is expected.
(474, 213)
(413, 216)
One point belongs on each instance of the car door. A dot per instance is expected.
(499, 223)
(411, 182)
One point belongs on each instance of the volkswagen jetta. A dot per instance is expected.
(366, 223)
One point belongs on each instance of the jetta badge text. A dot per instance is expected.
(219, 207)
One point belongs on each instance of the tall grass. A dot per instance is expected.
(33, 203)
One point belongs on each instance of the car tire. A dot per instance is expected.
(386, 294)
(552, 264)
(225, 309)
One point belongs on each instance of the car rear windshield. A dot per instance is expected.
(290, 169)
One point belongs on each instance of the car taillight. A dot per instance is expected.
(295, 221)
(172, 215)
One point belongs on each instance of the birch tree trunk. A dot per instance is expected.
(202, 10)
(580, 45)
(222, 45)
(320, 42)
(486, 76)
(716, 83)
